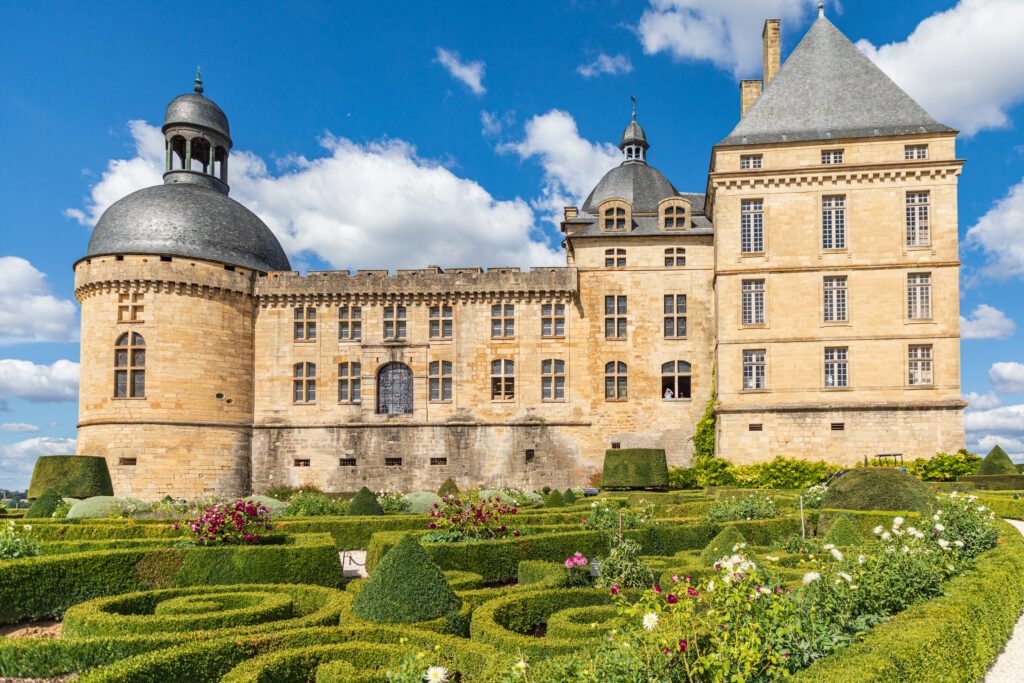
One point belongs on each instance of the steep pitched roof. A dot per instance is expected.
(828, 89)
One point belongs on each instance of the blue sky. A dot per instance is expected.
(401, 134)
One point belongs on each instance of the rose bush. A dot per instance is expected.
(230, 523)
(488, 518)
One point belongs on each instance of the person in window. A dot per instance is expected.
(668, 393)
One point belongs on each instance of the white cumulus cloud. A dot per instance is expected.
(986, 322)
(470, 73)
(1014, 447)
(18, 459)
(17, 427)
(725, 32)
(981, 401)
(965, 65)
(987, 424)
(572, 165)
(999, 235)
(22, 379)
(29, 312)
(1007, 377)
(605, 64)
(372, 205)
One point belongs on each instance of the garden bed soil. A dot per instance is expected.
(61, 679)
(31, 629)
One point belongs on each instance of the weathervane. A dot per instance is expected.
(632, 99)
(199, 81)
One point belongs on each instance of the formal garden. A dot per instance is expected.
(785, 569)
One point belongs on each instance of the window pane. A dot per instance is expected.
(559, 327)
(622, 387)
(622, 305)
(297, 397)
(120, 358)
(609, 327)
(138, 358)
(669, 303)
(496, 327)
(559, 387)
(621, 328)
(446, 368)
(401, 329)
(446, 329)
(121, 383)
(299, 327)
(609, 387)
(609, 305)
(680, 327)
(356, 385)
(545, 367)
(669, 327)
(495, 367)
(357, 330)
(510, 328)
(559, 367)
(545, 327)
(343, 390)
(138, 383)
(310, 370)
(310, 391)
(311, 330)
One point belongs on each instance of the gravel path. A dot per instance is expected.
(1009, 665)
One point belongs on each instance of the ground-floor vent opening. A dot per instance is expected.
(838, 426)
(165, 259)
(616, 445)
(755, 427)
(346, 462)
(438, 461)
(128, 462)
(393, 462)
(301, 462)
(530, 455)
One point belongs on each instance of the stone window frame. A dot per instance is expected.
(834, 223)
(503, 321)
(832, 157)
(304, 326)
(756, 360)
(751, 162)
(395, 321)
(552, 320)
(836, 367)
(675, 257)
(350, 323)
(674, 213)
(919, 297)
(674, 313)
(503, 380)
(440, 381)
(920, 366)
(917, 219)
(615, 258)
(350, 383)
(304, 383)
(615, 215)
(130, 307)
(835, 299)
(552, 380)
(752, 242)
(680, 373)
(915, 152)
(441, 322)
(752, 303)
(616, 317)
(616, 381)
(129, 366)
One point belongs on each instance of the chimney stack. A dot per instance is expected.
(770, 52)
(750, 90)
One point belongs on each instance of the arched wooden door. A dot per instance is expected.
(394, 390)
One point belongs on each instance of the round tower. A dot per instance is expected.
(166, 388)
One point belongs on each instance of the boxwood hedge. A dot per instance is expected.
(74, 476)
(634, 468)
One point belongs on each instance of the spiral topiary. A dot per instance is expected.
(364, 503)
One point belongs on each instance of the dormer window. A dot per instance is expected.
(673, 213)
(831, 156)
(615, 215)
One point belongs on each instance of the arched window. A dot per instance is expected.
(503, 380)
(130, 366)
(614, 218)
(176, 153)
(394, 390)
(614, 258)
(615, 381)
(441, 380)
(552, 380)
(675, 380)
(200, 155)
(304, 383)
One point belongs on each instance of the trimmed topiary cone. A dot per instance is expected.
(364, 503)
(448, 487)
(569, 497)
(878, 488)
(554, 500)
(44, 505)
(844, 532)
(721, 545)
(995, 463)
(406, 586)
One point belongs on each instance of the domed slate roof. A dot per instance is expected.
(186, 219)
(633, 181)
(633, 134)
(195, 109)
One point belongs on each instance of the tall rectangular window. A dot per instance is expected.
(441, 322)
(440, 380)
(753, 302)
(750, 161)
(503, 380)
(552, 380)
(349, 383)
(833, 222)
(831, 156)
(394, 322)
(615, 317)
(674, 310)
(919, 296)
(753, 369)
(350, 323)
(835, 299)
(836, 370)
(919, 365)
(752, 226)
(552, 320)
(918, 226)
(915, 152)
(614, 258)
(503, 321)
(304, 384)
(305, 324)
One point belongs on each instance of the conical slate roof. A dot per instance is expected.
(828, 89)
(633, 134)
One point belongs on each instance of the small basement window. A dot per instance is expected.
(165, 259)
(616, 445)
(439, 461)
(128, 462)
(231, 268)
(755, 427)
(119, 257)
(530, 455)
(301, 462)
(838, 426)
(393, 462)
(346, 462)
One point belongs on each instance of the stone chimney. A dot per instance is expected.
(770, 52)
(750, 90)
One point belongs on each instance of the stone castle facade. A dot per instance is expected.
(812, 289)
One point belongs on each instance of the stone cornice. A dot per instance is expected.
(941, 404)
(840, 173)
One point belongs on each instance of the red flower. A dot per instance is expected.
(682, 646)
(672, 599)
(615, 590)
(657, 588)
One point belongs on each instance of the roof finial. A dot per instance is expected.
(821, 8)
(632, 98)
(199, 81)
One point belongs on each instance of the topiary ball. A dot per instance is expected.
(844, 532)
(364, 503)
(721, 545)
(44, 505)
(554, 500)
(96, 507)
(448, 487)
(878, 488)
(997, 462)
(569, 497)
(406, 586)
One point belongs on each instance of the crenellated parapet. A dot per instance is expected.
(100, 275)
